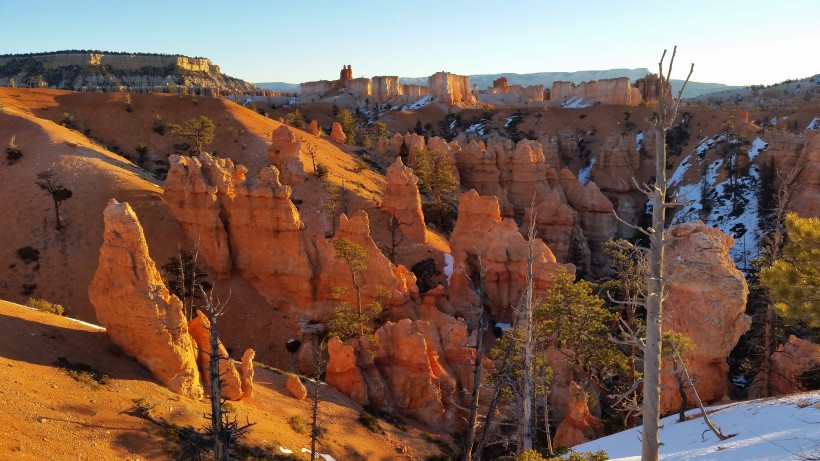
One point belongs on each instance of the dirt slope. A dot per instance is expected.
(52, 416)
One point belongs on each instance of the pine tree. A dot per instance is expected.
(793, 280)
(200, 130)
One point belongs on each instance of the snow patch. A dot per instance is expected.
(286, 451)
(477, 128)
(773, 429)
(577, 102)
(681, 170)
(321, 455)
(815, 124)
(639, 141)
(583, 174)
(292, 102)
(511, 119)
(416, 105)
(449, 261)
(757, 146)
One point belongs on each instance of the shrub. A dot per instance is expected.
(28, 254)
(321, 170)
(84, 373)
(13, 154)
(298, 424)
(45, 306)
(159, 125)
(370, 422)
(359, 165)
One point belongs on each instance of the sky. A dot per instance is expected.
(729, 41)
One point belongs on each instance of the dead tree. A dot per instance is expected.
(661, 122)
(315, 429)
(396, 238)
(525, 432)
(220, 437)
(469, 438)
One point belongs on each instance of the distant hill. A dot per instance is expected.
(94, 70)
(693, 89)
(281, 87)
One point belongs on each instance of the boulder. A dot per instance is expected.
(314, 129)
(402, 200)
(706, 301)
(136, 309)
(199, 328)
(337, 134)
(296, 388)
(578, 425)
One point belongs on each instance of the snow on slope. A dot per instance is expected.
(787, 428)
(735, 214)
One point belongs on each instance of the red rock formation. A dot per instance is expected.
(706, 301)
(346, 73)
(478, 169)
(578, 425)
(503, 250)
(616, 163)
(650, 87)
(559, 226)
(401, 199)
(500, 84)
(386, 88)
(451, 89)
(193, 201)
(608, 91)
(296, 388)
(246, 372)
(597, 218)
(413, 92)
(788, 362)
(337, 134)
(133, 304)
(285, 153)
(199, 328)
(360, 87)
(380, 275)
(523, 172)
(343, 374)
(313, 128)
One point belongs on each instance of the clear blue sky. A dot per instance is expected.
(732, 42)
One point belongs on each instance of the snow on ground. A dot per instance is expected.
(583, 174)
(416, 105)
(576, 102)
(511, 119)
(477, 127)
(449, 261)
(815, 124)
(639, 141)
(757, 146)
(739, 219)
(787, 428)
(320, 455)
(681, 170)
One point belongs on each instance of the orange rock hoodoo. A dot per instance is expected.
(578, 425)
(788, 362)
(135, 307)
(402, 200)
(232, 381)
(706, 301)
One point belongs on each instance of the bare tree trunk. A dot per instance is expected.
(655, 284)
(715, 429)
(494, 400)
(314, 408)
(469, 439)
(525, 425)
(220, 450)
(547, 430)
(768, 332)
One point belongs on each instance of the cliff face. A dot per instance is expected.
(607, 91)
(450, 88)
(99, 71)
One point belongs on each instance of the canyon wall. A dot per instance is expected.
(607, 91)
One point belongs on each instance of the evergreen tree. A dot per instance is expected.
(51, 184)
(347, 121)
(793, 280)
(200, 130)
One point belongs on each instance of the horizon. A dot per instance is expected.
(733, 43)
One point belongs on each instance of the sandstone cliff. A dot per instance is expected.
(450, 88)
(607, 91)
(135, 307)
